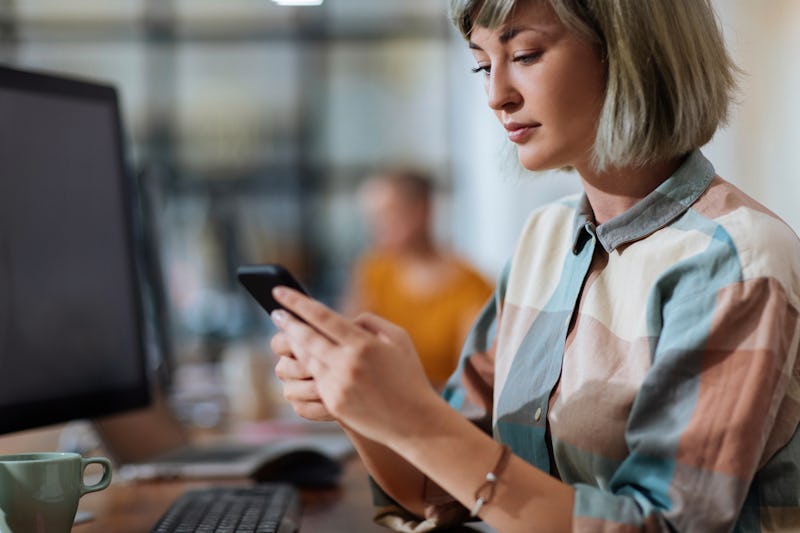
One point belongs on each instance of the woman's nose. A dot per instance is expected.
(501, 90)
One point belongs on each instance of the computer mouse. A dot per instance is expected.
(301, 468)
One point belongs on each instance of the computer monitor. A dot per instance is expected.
(71, 322)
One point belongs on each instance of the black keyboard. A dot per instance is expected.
(263, 508)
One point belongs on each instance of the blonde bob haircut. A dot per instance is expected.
(670, 78)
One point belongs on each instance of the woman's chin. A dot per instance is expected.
(537, 164)
(537, 160)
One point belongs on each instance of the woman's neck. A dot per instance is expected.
(612, 192)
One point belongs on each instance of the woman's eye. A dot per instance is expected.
(528, 58)
(485, 69)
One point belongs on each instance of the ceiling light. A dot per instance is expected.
(298, 2)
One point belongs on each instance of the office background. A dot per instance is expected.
(250, 124)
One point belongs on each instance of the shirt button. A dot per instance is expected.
(538, 415)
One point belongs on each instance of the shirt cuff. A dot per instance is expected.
(441, 511)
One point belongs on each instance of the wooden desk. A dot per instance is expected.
(135, 507)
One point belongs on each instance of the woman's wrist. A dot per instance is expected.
(429, 418)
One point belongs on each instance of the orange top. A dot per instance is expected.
(437, 318)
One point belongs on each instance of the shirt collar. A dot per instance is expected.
(667, 202)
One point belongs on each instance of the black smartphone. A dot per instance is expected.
(259, 280)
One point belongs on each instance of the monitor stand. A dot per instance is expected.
(141, 435)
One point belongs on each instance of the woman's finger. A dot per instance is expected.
(301, 391)
(313, 411)
(279, 345)
(307, 344)
(289, 368)
(331, 324)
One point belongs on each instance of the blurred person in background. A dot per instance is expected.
(406, 278)
(638, 368)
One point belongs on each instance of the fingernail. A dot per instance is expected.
(279, 292)
(279, 316)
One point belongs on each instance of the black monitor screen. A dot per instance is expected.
(70, 320)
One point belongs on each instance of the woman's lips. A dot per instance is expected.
(519, 133)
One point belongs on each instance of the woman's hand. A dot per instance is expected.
(365, 372)
(299, 388)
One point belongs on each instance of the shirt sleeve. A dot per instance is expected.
(710, 413)
(470, 392)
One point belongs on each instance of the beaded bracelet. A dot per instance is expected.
(485, 492)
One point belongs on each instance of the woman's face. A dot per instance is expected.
(545, 85)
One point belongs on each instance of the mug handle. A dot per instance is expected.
(104, 481)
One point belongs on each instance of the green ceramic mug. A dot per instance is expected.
(39, 492)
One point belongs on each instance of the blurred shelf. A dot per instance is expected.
(253, 125)
(230, 21)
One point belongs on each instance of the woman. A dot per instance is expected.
(639, 357)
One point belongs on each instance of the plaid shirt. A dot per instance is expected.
(650, 362)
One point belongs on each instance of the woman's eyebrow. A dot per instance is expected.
(512, 32)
